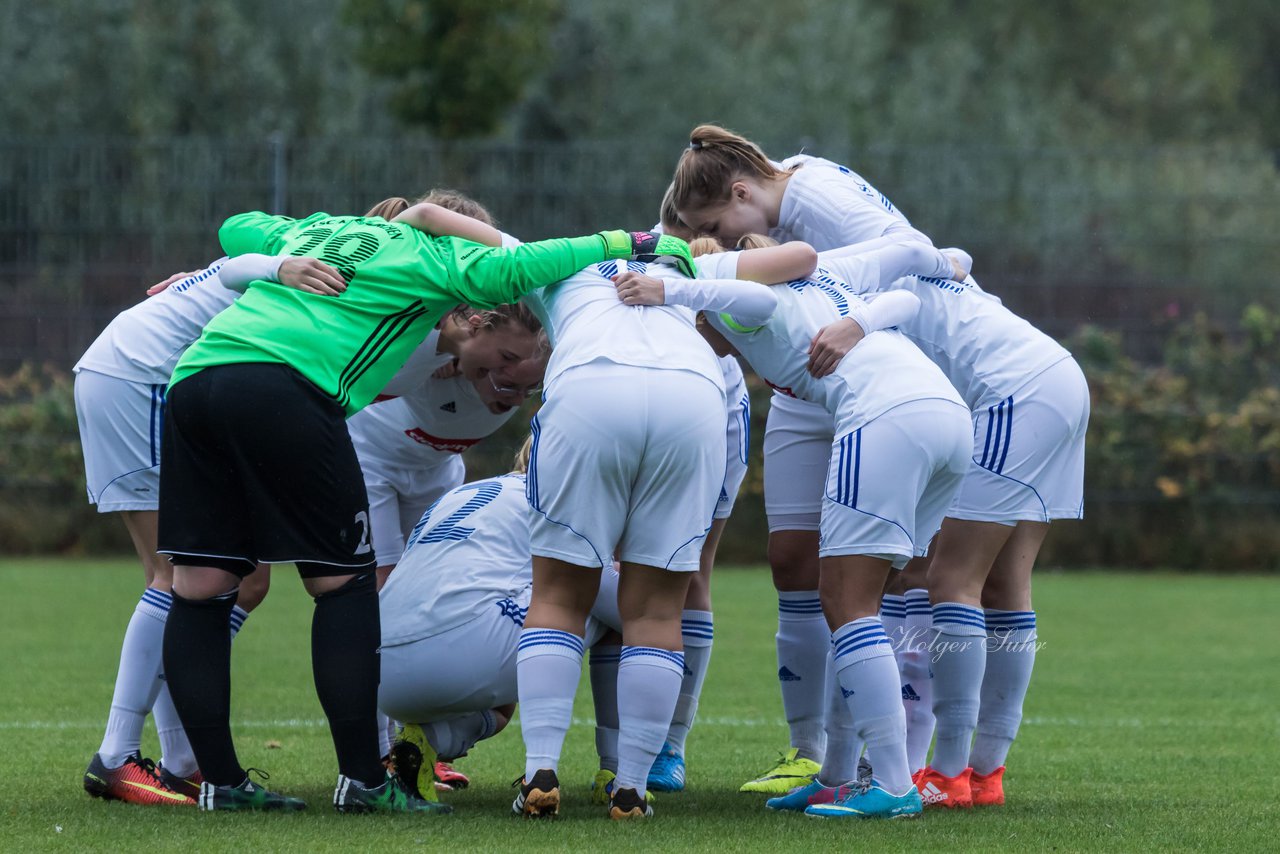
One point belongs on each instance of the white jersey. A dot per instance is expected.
(143, 343)
(828, 206)
(586, 322)
(469, 548)
(881, 372)
(424, 427)
(985, 349)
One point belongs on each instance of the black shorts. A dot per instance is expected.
(256, 465)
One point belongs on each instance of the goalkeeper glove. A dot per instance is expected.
(650, 246)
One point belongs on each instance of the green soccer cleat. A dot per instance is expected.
(248, 797)
(393, 795)
(792, 772)
(409, 755)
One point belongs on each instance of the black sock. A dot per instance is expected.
(197, 667)
(345, 634)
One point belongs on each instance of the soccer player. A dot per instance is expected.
(726, 187)
(1030, 405)
(120, 398)
(451, 617)
(258, 465)
(898, 456)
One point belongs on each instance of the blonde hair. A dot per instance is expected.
(450, 200)
(520, 465)
(669, 217)
(715, 158)
(705, 246)
(755, 241)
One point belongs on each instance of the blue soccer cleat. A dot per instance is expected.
(802, 797)
(869, 801)
(667, 773)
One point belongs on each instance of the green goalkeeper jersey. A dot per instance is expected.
(400, 282)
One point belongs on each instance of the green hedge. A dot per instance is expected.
(1183, 457)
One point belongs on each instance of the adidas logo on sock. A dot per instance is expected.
(931, 794)
(845, 692)
(909, 693)
(785, 675)
(449, 407)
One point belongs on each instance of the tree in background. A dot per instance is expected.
(457, 66)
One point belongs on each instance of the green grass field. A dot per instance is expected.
(1153, 724)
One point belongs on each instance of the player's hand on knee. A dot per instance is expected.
(312, 276)
(639, 289)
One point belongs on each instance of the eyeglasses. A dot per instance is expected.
(515, 390)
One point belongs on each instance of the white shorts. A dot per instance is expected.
(626, 461)
(399, 497)
(120, 425)
(1028, 452)
(472, 667)
(737, 445)
(797, 449)
(891, 481)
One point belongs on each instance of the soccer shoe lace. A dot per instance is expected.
(539, 797)
(667, 773)
(247, 796)
(351, 796)
(136, 781)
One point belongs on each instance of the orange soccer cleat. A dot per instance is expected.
(449, 778)
(947, 792)
(135, 782)
(988, 789)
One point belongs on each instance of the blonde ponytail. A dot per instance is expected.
(715, 158)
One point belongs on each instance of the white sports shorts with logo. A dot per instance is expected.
(737, 445)
(797, 449)
(120, 425)
(472, 667)
(626, 461)
(399, 496)
(1028, 452)
(891, 481)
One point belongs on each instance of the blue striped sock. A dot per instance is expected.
(548, 666)
(648, 685)
(959, 661)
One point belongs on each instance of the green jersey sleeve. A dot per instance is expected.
(485, 276)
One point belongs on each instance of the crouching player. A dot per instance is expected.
(451, 619)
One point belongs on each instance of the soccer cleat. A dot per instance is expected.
(134, 782)
(602, 788)
(246, 796)
(987, 790)
(450, 778)
(801, 797)
(667, 773)
(947, 792)
(189, 786)
(790, 772)
(393, 795)
(409, 755)
(627, 804)
(539, 797)
(867, 800)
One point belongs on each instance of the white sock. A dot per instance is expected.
(698, 632)
(868, 678)
(386, 733)
(648, 685)
(893, 614)
(1011, 655)
(548, 667)
(803, 642)
(840, 765)
(604, 695)
(176, 754)
(453, 737)
(138, 679)
(959, 659)
(914, 663)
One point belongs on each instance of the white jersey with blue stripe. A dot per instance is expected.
(143, 343)
(828, 206)
(586, 322)
(470, 550)
(881, 372)
(986, 350)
